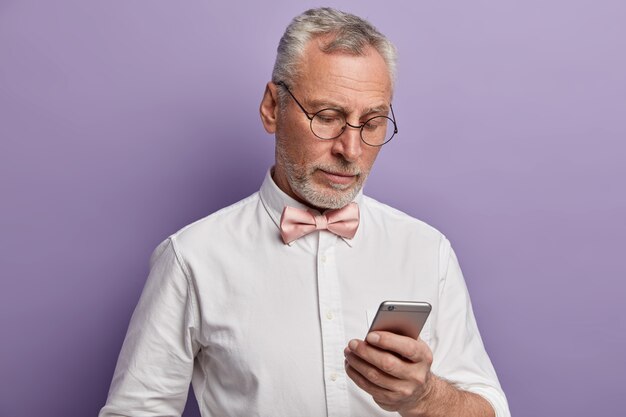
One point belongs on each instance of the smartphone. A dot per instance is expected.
(405, 318)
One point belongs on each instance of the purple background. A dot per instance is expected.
(120, 122)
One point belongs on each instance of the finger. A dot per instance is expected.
(386, 399)
(371, 373)
(407, 347)
(382, 396)
(385, 361)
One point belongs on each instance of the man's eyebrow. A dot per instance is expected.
(317, 105)
(383, 108)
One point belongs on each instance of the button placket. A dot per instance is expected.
(332, 327)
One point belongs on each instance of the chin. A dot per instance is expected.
(331, 199)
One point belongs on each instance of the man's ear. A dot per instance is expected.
(269, 108)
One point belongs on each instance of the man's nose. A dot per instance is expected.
(349, 143)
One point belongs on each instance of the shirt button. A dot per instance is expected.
(323, 259)
(333, 377)
(330, 315)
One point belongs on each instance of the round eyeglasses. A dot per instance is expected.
(329, 124)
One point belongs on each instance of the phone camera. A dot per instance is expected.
(391, 308)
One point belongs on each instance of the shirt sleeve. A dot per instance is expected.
(458, 353)
(155, 365)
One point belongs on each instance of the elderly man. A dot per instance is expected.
(263, 304)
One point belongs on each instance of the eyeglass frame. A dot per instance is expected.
(343, 129)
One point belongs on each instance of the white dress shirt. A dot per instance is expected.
(259, 327)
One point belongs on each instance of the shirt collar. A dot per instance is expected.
(274, 200)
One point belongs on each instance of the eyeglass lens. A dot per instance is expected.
(329, 124)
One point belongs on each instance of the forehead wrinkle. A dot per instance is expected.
(370, 89)
(359, 86)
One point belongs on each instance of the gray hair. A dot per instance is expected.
(350, 34)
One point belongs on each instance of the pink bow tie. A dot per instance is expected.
(295, 223)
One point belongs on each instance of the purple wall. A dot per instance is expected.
(120, 122)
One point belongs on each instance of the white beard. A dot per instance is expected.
(299, 179)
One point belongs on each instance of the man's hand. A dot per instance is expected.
(393, 369)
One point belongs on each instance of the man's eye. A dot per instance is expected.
(374, 124)
(328, 118)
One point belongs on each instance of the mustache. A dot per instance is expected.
(345, 168)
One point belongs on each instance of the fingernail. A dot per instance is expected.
(373, 338)
(353, 344)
